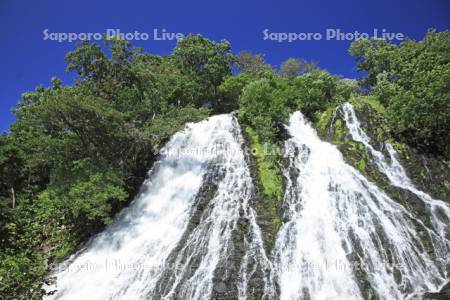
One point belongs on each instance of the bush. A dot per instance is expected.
(315, 91)
(262, 105)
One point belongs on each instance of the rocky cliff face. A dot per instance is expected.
(231, 246)
(428, 172)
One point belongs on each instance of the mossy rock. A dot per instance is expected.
(359, 102)
(269, 173)
(443, 294)
(331, 127)
(429, 173)
(269, 187)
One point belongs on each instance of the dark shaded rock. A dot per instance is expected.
(268, 209)
(428, 172)
(443, 294)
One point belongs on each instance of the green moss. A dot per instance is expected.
(323, 120)
(447, 184)
(265, 166)
(361, 164)
(400, 148)
(340, 131)
(447, 163)
(359, 155)
(371, 100)
(379, 133)
(276, 223)
(269, 172)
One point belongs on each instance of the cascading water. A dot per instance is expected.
(151, 242)
(209, 245)
(345, 238)
(437, 211)
(192, 232)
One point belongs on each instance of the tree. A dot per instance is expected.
(293, 67)
(373, 57)
(262, 105)
(230, 90)
(208, 63)
(252, 64)
(315, 91)
(412, 80)
(104, 77)
(346, 88)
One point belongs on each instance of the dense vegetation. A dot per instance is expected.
(412, 81)
(77, 154)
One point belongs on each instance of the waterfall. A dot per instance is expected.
(437, 210)
(154, 249)
(207, 251)
(345, 238)
(192, 232)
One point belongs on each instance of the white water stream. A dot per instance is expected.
(344, 234)
(127, 260)
(343, 237)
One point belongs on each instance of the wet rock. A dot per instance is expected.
(443, 294)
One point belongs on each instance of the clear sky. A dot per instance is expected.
(27, 60)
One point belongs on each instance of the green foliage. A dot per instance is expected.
(206, 62)
(373, 57)
(262, 105)
(345, 89)
(373, 101)
(88, 196)
(268, 170)
(23, 272)
(315, 91)
(230, 90)
(105, 77)
(252, 64)
(76, 155)
(323, 120)
(293, 67)
(10, 165)
(412, 81)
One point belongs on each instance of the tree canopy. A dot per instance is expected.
(413, 81)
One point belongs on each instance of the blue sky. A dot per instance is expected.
(27, 60)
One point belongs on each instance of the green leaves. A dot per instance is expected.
(90, 198)
(206, 62)
(315, 91)
(230, 90)
(293, 67)
(412, 80)
(263, 107)
(252, 64)
(77, 154)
